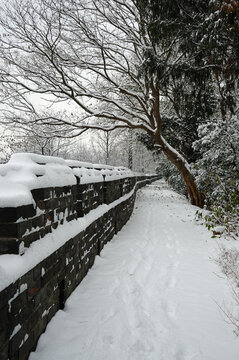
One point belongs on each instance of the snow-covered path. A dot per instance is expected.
(153, 294)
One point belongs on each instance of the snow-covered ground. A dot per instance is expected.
(153, 294)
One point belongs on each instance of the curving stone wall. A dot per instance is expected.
(22, 225)
(29, 302)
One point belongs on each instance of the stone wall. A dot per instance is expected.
(28, 304)
(21, 226)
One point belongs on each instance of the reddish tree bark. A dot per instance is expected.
(195, 195)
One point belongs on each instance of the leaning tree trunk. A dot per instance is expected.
(182, 165)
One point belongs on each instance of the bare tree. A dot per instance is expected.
(35, 139)
(109, 145)
(88, 53)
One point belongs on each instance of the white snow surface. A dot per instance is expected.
(153, 293)
(26, 171)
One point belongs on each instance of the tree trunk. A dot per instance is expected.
(183, 167)
(107, 147)
(130, 149)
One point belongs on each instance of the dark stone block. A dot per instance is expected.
(61, 252)
(63, 203)
(12, 214)
(27, 347)
(42, 194)
(33, 290)
(8, 293)
(41, 205)
(33, 319)
(51, 273)
(58, 192)
(111, 191)
(52, 204)
(9, 230)
(77, 239)
(16, 340)
(71, 217)
(45, 230)
(30, 238)
(50, 216)
(52, 311)
(49, 262)
(48, 229)
(27, 211)
(42, 232)
(54, 225)
(33, 284)
(23, 227)
(39, 328)
(13, 321)
(60, 269)
(40, 296)
(26, 312)
(14, 356)
(39, 221)
(68, 246)
(26, 279)
(4, 315)
(74, 191)
(51, 287)
(4, 325)
(79, 208)
(15, 230)
(19, 302)
(50, 300)
(9, 246)
(81, 188)
(4, 352)
(37, 271)
(66, 190)
(72, 251)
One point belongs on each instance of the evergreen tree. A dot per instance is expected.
(203, 85)
(176, 58)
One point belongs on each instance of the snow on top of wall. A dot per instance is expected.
(95, 172)
(92, 175)
(76, 163)
(26, 171)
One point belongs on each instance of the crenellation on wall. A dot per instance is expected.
(112, 191)
(89, 197)
(21, 226)
(126, 186)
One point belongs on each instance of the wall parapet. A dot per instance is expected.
(37, 193)
(22, 225)
(93, 213)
